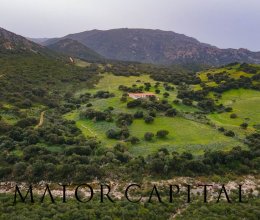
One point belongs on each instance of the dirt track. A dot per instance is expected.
(41, 120)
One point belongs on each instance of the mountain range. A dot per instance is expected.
(139, 45)
(158, 47)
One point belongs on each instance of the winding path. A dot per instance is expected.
(89, 130)
(41, 120)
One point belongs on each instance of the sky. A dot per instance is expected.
(223, 23)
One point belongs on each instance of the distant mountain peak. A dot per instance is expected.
(74, 48)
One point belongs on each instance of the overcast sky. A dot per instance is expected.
(224, 23)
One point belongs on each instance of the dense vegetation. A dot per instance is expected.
(58, 150)
(91, 128)
(126, 210)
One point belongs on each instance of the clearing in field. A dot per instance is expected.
(245, 104)
(184, 134)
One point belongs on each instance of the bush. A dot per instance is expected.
(148, 136)
(27, 122)
(228, 109)
(134, 140)
(244, 125)
(117, 134)
(123, 99)
(134, 103)
(139, 114)
(148, 119)
(187, 101)
(171, 112)
(124, 119)
(229, 133)
(103, 95)
(233, 115)
(166, 95)
(4, 127)
(176, 101)
(162, 133)
(113, 134)
(221, 129)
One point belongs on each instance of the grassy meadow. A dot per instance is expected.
(184, 134)
(245, 104)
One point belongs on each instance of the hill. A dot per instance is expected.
(64, 121)
(74, 48)
(11, 42)
(158, 47)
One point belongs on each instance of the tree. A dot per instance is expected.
(152, 113)
(33, 138)
(207, 104)
(229, 133)
(157, 165)
(26, 122)
(221, 129)
(244, 125)
(123, 99)
(112, 134)
(139, 114)
(124, 119)
(148, 136)
(171, 112)
(176, 101)
(134, 140)
(166, 95)
(134, 103)
(162, 133)
(228, 109)
(148, 119)
(103, 95)
(19, 169)
(187, 156)
(187, 101)
(4, 127)
(233, 115)
(27, 103)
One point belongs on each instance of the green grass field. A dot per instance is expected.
(233, 72)
(245, 103)
(185, 135)
(110, 82)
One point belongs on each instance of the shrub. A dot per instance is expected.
(139, 114)
(134, 140)
(221, 129)
(162, 133)
(134, 103)
(233, 115)
(229, 133)
(171, 112)
(148, 119)
(148, 136)
(244, 125)
(166, 95)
